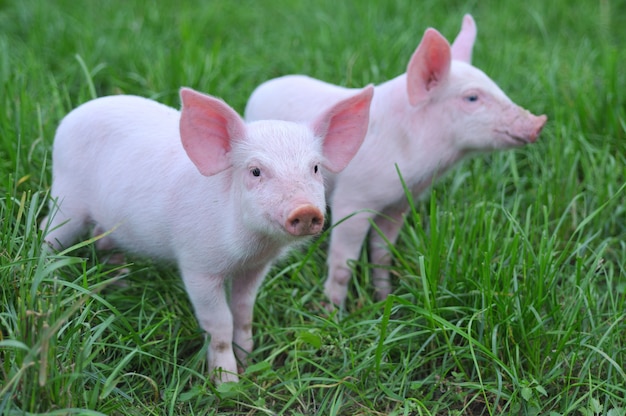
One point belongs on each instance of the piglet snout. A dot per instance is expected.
(524, 128)
(305, 220)
(538, 123)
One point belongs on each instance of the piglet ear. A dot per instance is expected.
(207, 128)
(464, 42)
(343, 128)
(429, 66)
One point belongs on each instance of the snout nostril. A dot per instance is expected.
(315, 221)
(305, 220)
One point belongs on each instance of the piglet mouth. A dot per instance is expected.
(518, 140)
(523, 136)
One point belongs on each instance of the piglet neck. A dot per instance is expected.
(390, 98)
(429, 146)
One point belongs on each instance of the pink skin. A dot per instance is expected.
(221, 198)
(424, 121)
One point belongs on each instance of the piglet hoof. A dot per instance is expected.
(222, 376)
(381, 293)
(329, 307)
(118, 259)
(336, 292)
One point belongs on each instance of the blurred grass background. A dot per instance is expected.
(510, 276)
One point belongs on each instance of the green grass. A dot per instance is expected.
(510, 276)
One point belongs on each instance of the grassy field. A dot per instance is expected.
(510, 275)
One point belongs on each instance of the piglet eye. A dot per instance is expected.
(315, 169)
(472, 98)
(255, 172)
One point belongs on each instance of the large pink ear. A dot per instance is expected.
(207, 127)
(344, 127)
(464, 42)
(429, 66)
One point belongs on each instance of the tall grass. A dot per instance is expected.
(510, 275)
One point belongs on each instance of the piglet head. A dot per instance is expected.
(517, 126)
(271, 170)
(462, 107)
(482, 117)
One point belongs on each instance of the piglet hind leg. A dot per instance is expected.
(244, 290)
(208, 296)
(345, 244)
(388, 225)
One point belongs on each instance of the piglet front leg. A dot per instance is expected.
(208, 296)
(243, 294)
(389, 224)
(345, 244)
